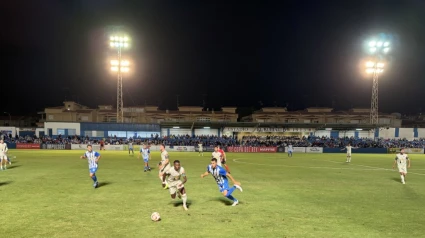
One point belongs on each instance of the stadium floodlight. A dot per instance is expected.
(176, 127)
(119, 41)
(373, 67)
(124, 66)
(377, 47)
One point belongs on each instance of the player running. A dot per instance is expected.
(402, 160)
(201, 150)
(130, 148)
(3, 157)
(217, 155)
(175, 175)
(290, 150)
(220, 175)
(164, 165)
(146, 154)
(93, 159)
(348, 148)
(223, 159)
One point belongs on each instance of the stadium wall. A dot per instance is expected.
(357, 151)
(8, 130)
(120, 130)
(61, 128)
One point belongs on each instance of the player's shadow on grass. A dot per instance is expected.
(13, 166)
(5, 183)
(224, 200)
(180, 203)
(398, 180)
(102, 184)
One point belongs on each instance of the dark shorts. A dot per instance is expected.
(223, 162)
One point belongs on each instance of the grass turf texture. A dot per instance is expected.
(49, 194)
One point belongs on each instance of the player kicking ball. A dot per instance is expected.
(402, 161)
(220, 175)
(146, 154)
(175, 183)
(93, 159)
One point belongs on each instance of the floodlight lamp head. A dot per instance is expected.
(372, 43)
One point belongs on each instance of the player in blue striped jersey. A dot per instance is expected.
(220, 175)
(93, 159)
(146, 154)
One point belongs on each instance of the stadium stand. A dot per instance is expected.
(210, 140)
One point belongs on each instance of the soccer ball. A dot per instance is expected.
(155, 216)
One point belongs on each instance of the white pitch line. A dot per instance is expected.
(305, 167)
(294, 166)
(377, 168)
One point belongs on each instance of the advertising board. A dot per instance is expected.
(297, 149)
(27, 146)
(180, 148)
(313, 150)
(252, 149)
(84, 147)
(53, 146)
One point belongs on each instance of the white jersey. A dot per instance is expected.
(174, 175)
(401, 159)
(200, 147)
(349, 147)
(164, 156)
(130, 146)
(3, 149)
(290, 148)
(91, 158)
(217, 155)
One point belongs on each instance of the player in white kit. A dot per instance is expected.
(164, 165)
(348, 148)
(201, 150)
(217, 155)
(175, 175)
(290, 150)
(403, 162)
(3, 157)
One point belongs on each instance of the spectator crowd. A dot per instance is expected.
(211, 140)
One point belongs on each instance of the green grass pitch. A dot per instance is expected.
(49, 194)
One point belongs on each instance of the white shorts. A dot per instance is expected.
(3, 156)
(173, 186)
(161, 171)
(201, 150)
(348, 154)
(402, 169)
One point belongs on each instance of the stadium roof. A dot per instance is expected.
(334, 126)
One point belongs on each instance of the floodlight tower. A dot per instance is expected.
(378, 49)
(119, 42)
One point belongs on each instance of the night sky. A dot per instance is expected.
(292, 53)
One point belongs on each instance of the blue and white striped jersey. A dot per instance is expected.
(219, 174)
(145, 153)
(91, 158)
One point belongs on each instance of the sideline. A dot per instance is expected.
(366, 168)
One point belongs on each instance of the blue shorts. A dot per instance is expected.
(93, 170)
(224, 186)
(130, 148)
(146, 160)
